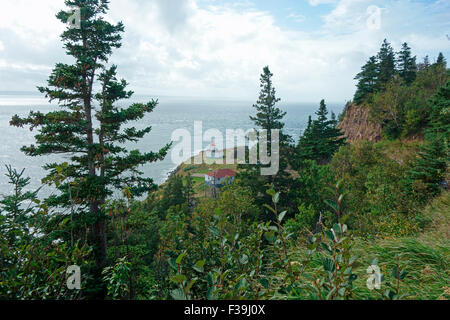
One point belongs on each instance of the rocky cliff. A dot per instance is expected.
(356, 124)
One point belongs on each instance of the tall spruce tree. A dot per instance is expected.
(440, 113)
(91, 134)
(367, 80)
(441, 60)
(425, 65)
(306, 145)
(189, 191)
(321, 139)
(386, 64)
(308, 127)
(406, 64)
(426, 62)
(269, 116)
(173, 194)
(430, 166)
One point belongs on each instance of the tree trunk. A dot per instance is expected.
(98, 228)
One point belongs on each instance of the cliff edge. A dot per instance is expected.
(356, 124)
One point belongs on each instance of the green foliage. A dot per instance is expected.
(333, 280)
(379, 70)
(173, 194)
(422, 268)
(429, 169)
(398, 94)
(327, 269)
(406, 64)
(320, 140)
(440, 114)
(441, 61)
(407, 110)
(117, 279)
(378, 197)
(269, 116)
(397, 90)
(310, 189)
(92, 137)
(367, 80)
(398, 275)
(388, 107)
(386, 65)
(133, 236)
(219, 232)
(302, 223)
(189, 190)
(287, 236)
(33, 263)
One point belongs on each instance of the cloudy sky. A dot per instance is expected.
(217, 48)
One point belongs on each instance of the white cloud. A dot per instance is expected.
(32, 21)
(174, 13)
(297, 17)
(178, 47)
(317, 2)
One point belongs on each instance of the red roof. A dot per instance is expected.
(222, 173)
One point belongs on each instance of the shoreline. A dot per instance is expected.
(204, 161)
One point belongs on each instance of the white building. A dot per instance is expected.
(218, 178)
(212, 152)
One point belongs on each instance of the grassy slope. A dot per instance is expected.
(198, 172)
(426, 258)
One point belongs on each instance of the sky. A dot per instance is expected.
(218, 48)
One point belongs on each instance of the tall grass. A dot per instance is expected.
(425, 258)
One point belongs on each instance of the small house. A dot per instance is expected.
(220, 177)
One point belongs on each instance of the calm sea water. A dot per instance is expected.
(171, 114)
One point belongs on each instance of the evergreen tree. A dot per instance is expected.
(322, 114)
(426, 62)
(367, 80)
(388, 107)
(306, 146)
(386, 64)
(332, 136)
(31, 257)
(99, 163)
(268, 116)
(425, 65)
(189, 190)
(407, 66)
(441, 60)
(173, 194)
(440, 113)
(321, 139)
(308, 127)
(333, 118)
(430, 166)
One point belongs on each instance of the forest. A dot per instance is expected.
(341, 220)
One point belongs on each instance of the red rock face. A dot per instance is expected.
(358, 126)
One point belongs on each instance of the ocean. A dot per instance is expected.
(171, 114)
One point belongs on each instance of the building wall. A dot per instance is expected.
(210, 180)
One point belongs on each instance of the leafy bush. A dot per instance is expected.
(33, 263)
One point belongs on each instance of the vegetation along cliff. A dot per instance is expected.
(308, 232)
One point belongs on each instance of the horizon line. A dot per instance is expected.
(158, 96)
